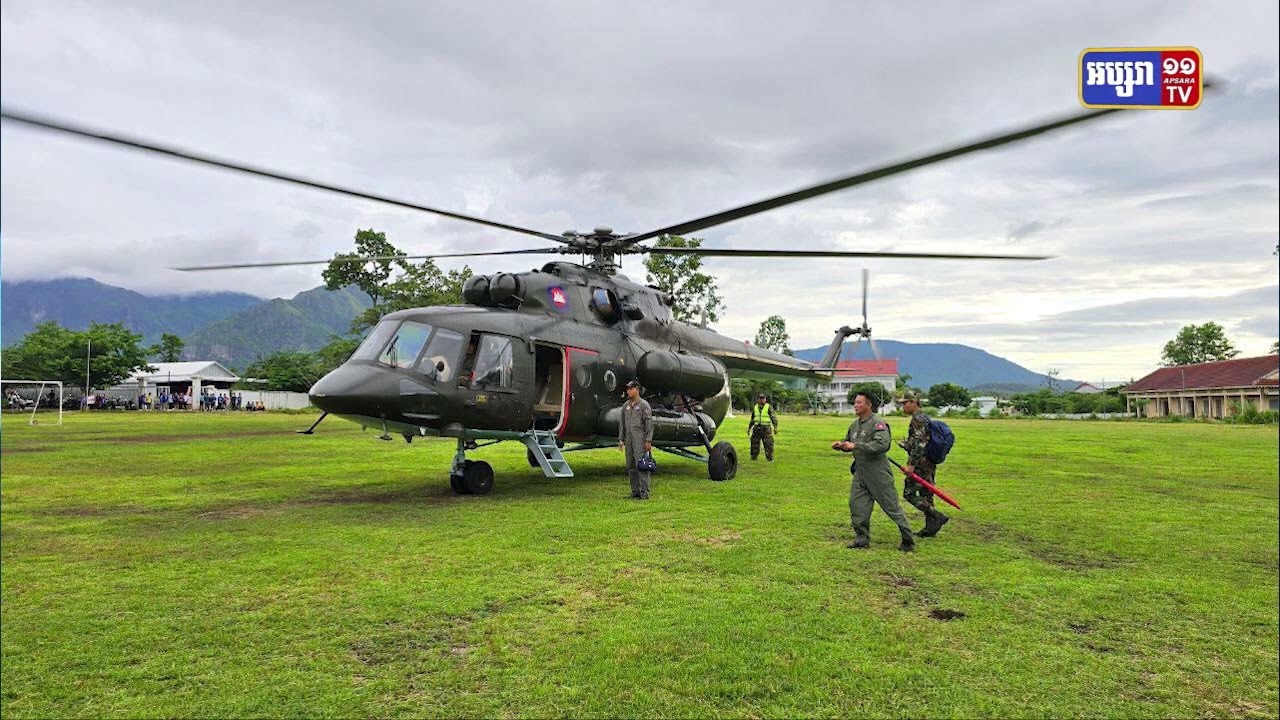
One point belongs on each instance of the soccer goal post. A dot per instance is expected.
(18, 401)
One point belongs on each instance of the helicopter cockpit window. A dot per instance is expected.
(603, 304)
(493, 363)
(404, 346)
(443, 350)
(377, 340)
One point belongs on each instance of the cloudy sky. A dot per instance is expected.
(559, 115)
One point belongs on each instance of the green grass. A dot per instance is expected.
(199, 565)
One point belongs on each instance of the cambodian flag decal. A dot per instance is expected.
(559, 298)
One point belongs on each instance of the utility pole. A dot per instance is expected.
(87, 353)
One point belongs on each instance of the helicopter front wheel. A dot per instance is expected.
(477, 477)
(722, 463)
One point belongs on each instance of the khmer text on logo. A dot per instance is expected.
(1152, 78)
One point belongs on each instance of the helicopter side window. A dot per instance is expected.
(493, 363)
(443, 350)
(403, 348)
(603, 305)
(376, 341)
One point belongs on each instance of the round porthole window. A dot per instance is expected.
(583, 376)
(610, 380)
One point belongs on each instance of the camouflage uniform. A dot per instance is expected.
(873, 481)
(912, 491)
(634, 430)
(762, 431)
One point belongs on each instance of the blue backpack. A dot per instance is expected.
(940, 441)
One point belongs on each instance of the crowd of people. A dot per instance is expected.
(164, 401)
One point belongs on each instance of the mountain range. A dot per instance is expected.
(236, 328)
(233, 328)
(932, 363)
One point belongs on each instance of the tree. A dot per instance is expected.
(773, 335)
(338, 351)
(52, 352)
(879, 394)
(1275, 348)
(1197, 344)
(415, 285)
(418, 285)
(295, 371)
(169, 348)
(370, 276)
(680, 276)
(948, 394)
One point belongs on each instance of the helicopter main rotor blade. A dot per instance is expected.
(878, 173)
(747, 252)
(368, 258)
(47, 123)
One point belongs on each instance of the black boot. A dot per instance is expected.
(908, 542)
(861, 542)
(933, 523)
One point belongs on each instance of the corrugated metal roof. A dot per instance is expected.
(1240, 372)
(206, 369)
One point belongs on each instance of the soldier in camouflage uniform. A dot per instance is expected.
(915, 442)
(869, 439)
(760, 429)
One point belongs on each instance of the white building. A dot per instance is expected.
(986, 404)
(856, 372)
(196, 376)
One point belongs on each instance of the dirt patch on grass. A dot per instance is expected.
(31, 449)
(946, 615)
(1080, 628)
(1046, 551)
(151, 439)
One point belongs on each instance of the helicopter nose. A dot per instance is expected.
(352, 390)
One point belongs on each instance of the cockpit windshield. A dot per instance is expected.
(376, 341)
(394, 343)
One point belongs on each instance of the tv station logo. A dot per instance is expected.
(1141, 78)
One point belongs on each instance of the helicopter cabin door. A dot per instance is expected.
(550, 387)
(580, 400)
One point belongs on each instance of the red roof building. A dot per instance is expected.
(1212, 389)
(855, 372)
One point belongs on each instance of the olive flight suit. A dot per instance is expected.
(873, 481)
(635, 429)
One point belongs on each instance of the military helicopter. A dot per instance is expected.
(541, 357)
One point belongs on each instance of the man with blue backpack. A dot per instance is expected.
(927, 443)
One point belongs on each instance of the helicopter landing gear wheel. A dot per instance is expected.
(478, 477)
(457, 480)
(722, 463)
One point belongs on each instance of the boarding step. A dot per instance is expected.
(543, 446)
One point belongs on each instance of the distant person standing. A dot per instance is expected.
(868, 438)
(635, 438)
(764, 425)
(915, 442)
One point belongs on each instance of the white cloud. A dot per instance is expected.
(571, 115)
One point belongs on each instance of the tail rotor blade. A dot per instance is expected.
(864, 296)
(875, 349)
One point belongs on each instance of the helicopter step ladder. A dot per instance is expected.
(542, 444)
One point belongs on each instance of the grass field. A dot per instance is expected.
(198, 565)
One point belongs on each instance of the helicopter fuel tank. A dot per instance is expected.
(664, 372)
(668, 426)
